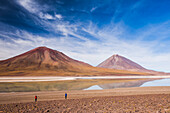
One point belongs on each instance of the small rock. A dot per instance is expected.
(47, 110)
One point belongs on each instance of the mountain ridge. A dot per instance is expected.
(121, 63)
(43, 60)
(41, 56)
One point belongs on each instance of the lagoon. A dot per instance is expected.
(140, 83)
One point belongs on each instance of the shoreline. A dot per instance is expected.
(54, 78)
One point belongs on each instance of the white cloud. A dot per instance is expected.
(30, 5)
(109, 40)
(93, 9)
(91, 51)
(46, 16)
(39, 10)
(33, 7)
(58, 16)
(139, 51)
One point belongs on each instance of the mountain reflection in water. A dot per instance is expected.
(137, 83)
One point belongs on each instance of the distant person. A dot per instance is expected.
(65, 95)
(35, 98)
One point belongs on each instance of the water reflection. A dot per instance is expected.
(95, 87)
(140, 83)
(162, 82)
(117, 85)
(93, 84)
(123, 84)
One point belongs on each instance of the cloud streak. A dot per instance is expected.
(92, 51)
(88, 40)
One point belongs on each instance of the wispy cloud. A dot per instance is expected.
(147, 46)
(91, 51)
(46, 16)
(59, 16)
(29, 5)
(93, 9)
(39, 10)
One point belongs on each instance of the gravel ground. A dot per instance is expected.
(151, 103)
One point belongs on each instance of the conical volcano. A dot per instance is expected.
(121, 63)
(41, 58)
(48, 62)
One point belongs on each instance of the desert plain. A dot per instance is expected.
(118, 100)
(137, 99)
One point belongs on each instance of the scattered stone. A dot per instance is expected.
(121, 104)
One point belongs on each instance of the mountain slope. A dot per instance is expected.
(41, 58)
(45, 61)
(122, 63)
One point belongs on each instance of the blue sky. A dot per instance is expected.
(89, 30)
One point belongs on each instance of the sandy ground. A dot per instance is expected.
(53, 78)
(154, 103)
(20, 97)
(140, 99)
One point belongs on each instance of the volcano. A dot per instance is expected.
(42, 58)
(46, 61)
(122, 63)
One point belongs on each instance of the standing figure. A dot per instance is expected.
(35, 98)
(65, 95)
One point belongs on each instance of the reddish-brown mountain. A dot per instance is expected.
(41, 58)
(45, 61)
(122, 63)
